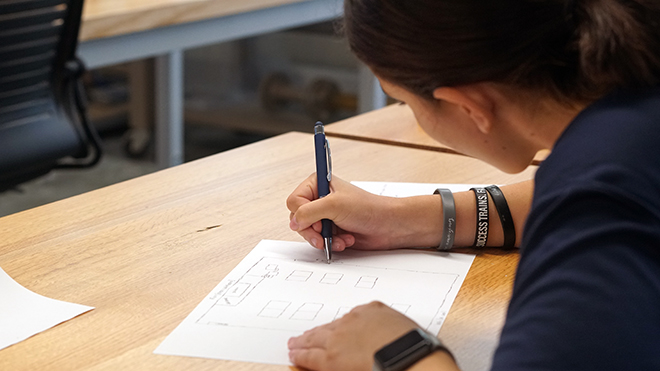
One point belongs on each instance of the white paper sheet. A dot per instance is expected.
(24, 313)
(283, 288)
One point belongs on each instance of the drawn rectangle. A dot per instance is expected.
(238, 289)
(274, 309)
(366, 282)
(300, 276)
(307, 311)
(230, 300)
(331, 278)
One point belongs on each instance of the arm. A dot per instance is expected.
(438, 361)
(371, 222)
(519, 198)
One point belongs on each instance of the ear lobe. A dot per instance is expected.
(484, 124)
(471, 103)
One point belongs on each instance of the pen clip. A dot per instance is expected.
(328, 159)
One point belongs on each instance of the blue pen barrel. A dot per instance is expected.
(322, 172)
(321, 165)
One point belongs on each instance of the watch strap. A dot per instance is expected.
(411, 354)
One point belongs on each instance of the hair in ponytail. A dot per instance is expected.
(618, 43)
(575, 50)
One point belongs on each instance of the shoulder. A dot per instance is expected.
(587, 290)
(613, 146)
(621, 128)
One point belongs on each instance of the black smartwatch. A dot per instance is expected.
(407, 350)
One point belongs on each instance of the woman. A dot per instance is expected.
(500, 80)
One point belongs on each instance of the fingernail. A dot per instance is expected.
(315, 242)
(293, 224)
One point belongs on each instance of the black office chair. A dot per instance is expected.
(43, 122)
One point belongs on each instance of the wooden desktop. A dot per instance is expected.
(105, 18)
(146, 251)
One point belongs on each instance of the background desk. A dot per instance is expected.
(395, 125)
(145, 252)
(116, 31)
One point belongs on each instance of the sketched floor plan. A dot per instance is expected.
(283, 288)
(291, 295)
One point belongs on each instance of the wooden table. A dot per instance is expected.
(146, 251)
(106, 18)
(395, 125)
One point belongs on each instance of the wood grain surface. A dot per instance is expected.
(145, 252)
(104, 18)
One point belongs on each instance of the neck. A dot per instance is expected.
(555, 122)
(541, 121)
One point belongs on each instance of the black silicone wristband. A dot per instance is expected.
(481, 231)
(505, 216)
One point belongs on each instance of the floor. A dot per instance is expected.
(114, 167)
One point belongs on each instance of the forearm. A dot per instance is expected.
(438, 361)
(518, 197)
(420, 218)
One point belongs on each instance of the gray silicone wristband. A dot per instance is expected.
(449, 218)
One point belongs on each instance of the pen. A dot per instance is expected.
(323, 177)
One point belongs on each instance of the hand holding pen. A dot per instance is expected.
(360, 219)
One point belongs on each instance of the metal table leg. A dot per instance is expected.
(169, 109)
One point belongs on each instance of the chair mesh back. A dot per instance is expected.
(29, 36)
(37, 123)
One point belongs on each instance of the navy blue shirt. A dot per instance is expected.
(587, 289)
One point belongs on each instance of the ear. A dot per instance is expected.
(471, 100)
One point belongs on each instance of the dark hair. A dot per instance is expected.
(575, 50)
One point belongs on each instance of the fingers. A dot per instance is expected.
(304, 193)
(309, 350)
(310, 359)
(339, 241)
(314, 338)
(312, 212)
(343, 241)
(307, 211)
(314, 238)
(307, 192)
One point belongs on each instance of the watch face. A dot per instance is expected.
(402, 350)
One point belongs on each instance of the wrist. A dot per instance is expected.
(418, 221)
(410, 349)
(439, 360)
